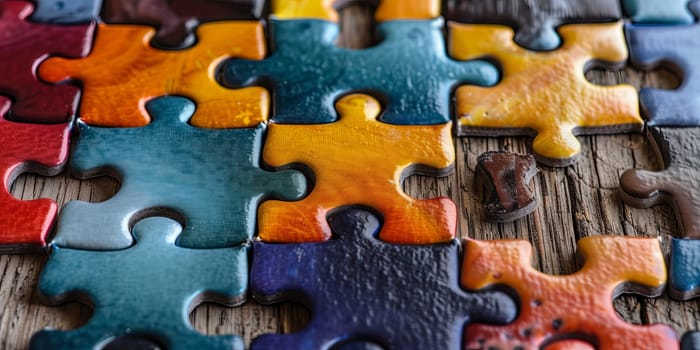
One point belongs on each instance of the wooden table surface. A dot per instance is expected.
(576, 201)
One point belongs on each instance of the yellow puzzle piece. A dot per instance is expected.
(545, 93)
(388, 10)
(360, 161)
(123, 72)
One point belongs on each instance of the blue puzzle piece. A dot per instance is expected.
(684, 266)
(66, 11)
(690, 341)
(363, 291)
(409, 69)
(143, 293)
(659, 11)
(676, 48)
(209, 179)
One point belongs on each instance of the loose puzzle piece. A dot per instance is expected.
(176, 18)
(23, 45)
(362, 162)
(560, 102)
(307, 72)
(386, 10)
(123, 72)
(66, 11)
(676, 48)
(210, 179)
(504, 178)
(576, 306)
(690, 341)
(535, 22)
(37, 148)
(659, 11)
(360, 288)
(143, 293)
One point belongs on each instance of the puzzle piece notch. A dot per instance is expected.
(401, 296)
(555, 307)
(504, 178)
(123, 72)
(22, 45)
(376, 156)
(561, 102)
(213, 180)
(146, 290)
(535, 22)
(66, 11)
(42, 149)
(308, 72)
(386, 10)
(675, 48)
(660, 11)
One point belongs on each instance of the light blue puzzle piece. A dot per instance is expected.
(66, 11)
(659, 11)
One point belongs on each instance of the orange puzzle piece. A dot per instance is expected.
(388, 10)
(576, 306)
(545, 93)
(360, 161)
(123, 72)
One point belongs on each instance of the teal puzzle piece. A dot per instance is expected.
(409, 71)
(208, 179)
(143, 293)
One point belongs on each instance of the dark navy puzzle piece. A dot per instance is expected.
(208, 178)
(409, 70)
(359, 288)
(143, 294)
(535, 22)
(690, 341)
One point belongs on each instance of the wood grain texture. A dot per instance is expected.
(577, 201)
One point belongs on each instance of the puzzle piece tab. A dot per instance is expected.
(210, 179)
(144, 292)
(578, 305)
(504, 178)
(659, 11)
(535, 22)
(357, 287)
(386, 10)
(676, 48)
(23, 44)
(66, 11)
(123, 72)
(409, 69)
(560, 102)
(37, 148)
(361, 162)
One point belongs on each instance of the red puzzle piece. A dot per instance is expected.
(28, 148)
(23, 44)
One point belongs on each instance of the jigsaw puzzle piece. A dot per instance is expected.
(675, 48)
(690, 341)
(66, 11)
(357, 287)
(362, 162)
(385, 10)
(209, 179)
(535, 22)
(560, 104)
(308, 72)
(144, 292)
(123, 72)
(576, 306)
(177, 18)
(684, 279)
(23, 44)
(43, 149)
(659, 11)
(504, 178)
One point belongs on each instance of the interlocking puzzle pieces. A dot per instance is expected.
(23, 44)
(535, 22)
(66, 11)
(675, 48)
(386, 10)
(362, 161)
(409, 69)
(209, 179)
(660, 11)
(123, 72)
(504, 179)
(360, 288)
(678, 184)
(560, 102)
(144, 293)
(576, 306)
(37, 148)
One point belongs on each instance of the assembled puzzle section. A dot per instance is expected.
(143, 294)
(361, 289)
(560, 102)
(362, 162)
(209, 179)
(576, 306)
